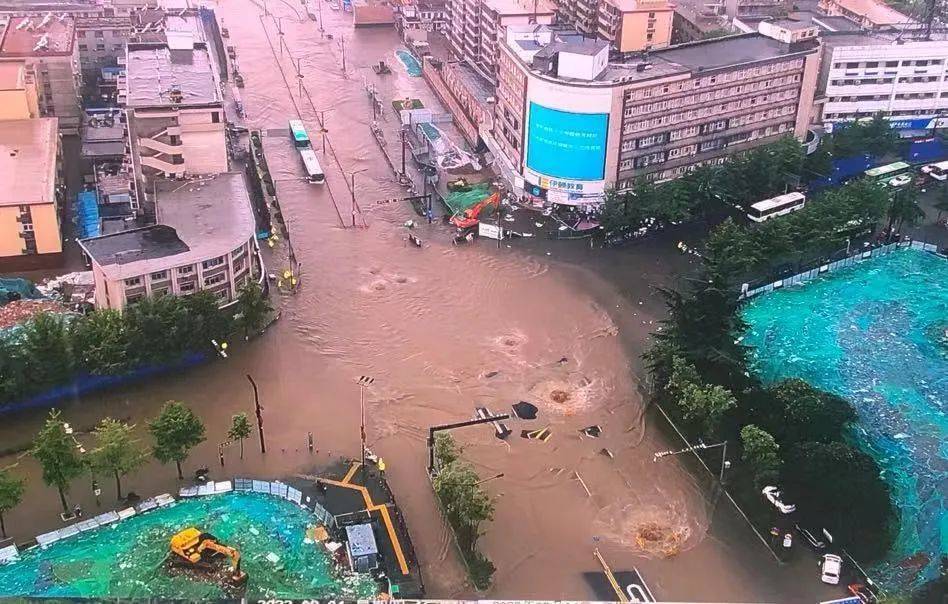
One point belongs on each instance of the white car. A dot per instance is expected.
(831, 567)
(900, 181)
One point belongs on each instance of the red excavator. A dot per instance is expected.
(470, 216)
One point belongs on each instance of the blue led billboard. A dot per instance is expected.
(567, 145)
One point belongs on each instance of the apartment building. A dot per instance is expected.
(204, 240)
(101, 43)
(476, 28)
(568, 123)
(45, 44)
(18, 100)
(31, 195)
(872, 72)
(634, 25)
(868, 14)
(174, 111)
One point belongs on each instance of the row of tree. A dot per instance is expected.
(466, 505)
(790, 433)
(115, 451)
(747, 178)
(51, 350)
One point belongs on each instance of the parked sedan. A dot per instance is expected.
(900, 181)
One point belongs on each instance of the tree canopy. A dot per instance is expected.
(116, 451)
(58, 454)
(11, 493)
(761, 454)
(239, 430)
(176, 431)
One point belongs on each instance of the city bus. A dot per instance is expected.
(887, 171)
(937, 171)
(298, 134)
(776, 206)
(314, 173)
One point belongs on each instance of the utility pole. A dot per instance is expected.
(319, 7)
(279, 23)
(403, 150)
(259, 411)
(363, 382)
(299, 76)
(352, 191)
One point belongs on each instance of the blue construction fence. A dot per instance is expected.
(922, 151)
(85, 383)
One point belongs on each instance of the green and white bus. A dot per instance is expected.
(888, 171)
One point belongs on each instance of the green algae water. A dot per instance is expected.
(128, 559)
(875, 333)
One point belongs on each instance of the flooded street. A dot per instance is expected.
(443, 329)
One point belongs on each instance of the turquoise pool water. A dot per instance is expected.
(412, 66)
(127, 559)
(875, 333)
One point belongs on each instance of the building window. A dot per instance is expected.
(161, 291)
(238, 251)
(99, 34)
(134, 299)
(27, 227)
(100, 47)
(134, 281)
(83, 47)
(186, 287)
(215, 279)
(212, 262)
(185, 270)
(159, 276)
(238, 265)
(215, 117)
(117, 47)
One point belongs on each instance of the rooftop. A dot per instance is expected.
(159, 76)
(12, 75)
(39, 35)
(875, 12)
(28, 160)
(520, 7)
(198, 219)
(628, 6)
(792, 24)
(824, 22)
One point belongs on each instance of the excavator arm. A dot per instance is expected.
(230, 552)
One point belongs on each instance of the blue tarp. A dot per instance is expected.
(87, 214)
(843, 168)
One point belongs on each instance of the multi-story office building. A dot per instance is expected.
(634, 25)
(174, 111)
(868, 14)
(31, 195)
(45, 44)
(204, 240)
(868, 73)
(476, 28)
(568, 123)
(18, 100)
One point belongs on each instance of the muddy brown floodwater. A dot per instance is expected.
(432, 326)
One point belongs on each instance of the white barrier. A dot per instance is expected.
(9, 554)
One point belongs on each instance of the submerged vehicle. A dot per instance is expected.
(471, 216)
(194, 549)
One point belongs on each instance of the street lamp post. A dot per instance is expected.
(363, 382)
(700, 447)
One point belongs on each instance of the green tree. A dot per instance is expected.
(11, 493)
(793, 411)
(239, 430)
(819, 164)
(205, 320)
(465, 503)
(446, 450)
(941, 202)
(879, 136)
(903, 209)
(706, 405)
(13, 383)
(760, 454)
(176, 431)
(45, 344)
(58, 455)
(253, 308)
(825, 477)
(158, 330)
(116, 451)
(100, 342)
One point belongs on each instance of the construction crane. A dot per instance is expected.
(196, 549)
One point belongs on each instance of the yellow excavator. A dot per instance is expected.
(196, 549)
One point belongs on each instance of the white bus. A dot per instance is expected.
(937, 171)
(314, 173)
(776, 206)
(888, 171)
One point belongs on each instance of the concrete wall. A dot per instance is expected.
(45, 221)
(205, 146)
(18, 105)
